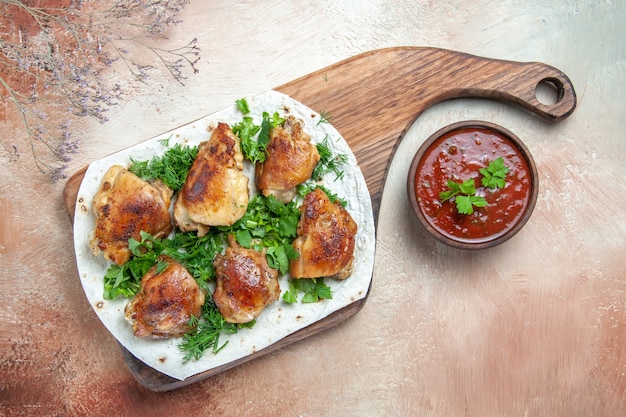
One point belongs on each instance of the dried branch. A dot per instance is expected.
(53, 54)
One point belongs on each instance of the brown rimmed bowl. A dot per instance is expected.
(457, 152)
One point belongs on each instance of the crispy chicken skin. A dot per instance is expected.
(291, 158)
(326, 238)
(165, 302)
(215, 192)
(124, 206)
(245, 283)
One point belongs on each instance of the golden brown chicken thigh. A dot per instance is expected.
(165, 302)
(215, 192)
(245, 283)
(124, 206)
(326, 239)
(291, 158)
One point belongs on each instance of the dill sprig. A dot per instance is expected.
(171, 167)
(325, 117)
(208, 329)
(329, 162)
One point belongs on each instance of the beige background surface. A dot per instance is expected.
(535, 327)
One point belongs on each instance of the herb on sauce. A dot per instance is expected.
(465, 196)
(465, 193)
(494, 174)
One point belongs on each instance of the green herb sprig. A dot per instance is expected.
(171, 168)
(195, 253)
(493, 176)
(254, 138)
(312, 289)
(465, 196)
(269, 225)
(325, 117)
(329, 162)
(210, 326)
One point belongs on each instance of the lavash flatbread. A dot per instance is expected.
(279, 319)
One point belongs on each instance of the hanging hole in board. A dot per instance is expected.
(549, 91)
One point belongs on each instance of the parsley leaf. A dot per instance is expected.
(313, 289)
(242, 105)
(465, 196)
(246, 130)
(494, 174)
(454, 189)
(254, 138)
(465, 203)
(268, 224)
(195, 253)
(264, 136)
(278, 257)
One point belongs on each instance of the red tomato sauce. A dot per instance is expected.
(458, 155)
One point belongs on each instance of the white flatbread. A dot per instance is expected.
(279, 319)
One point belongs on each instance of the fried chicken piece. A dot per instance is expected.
(245, 283)
(326, 239)
(124, 206)
(291, 158)
(165, 302)
(215, 192)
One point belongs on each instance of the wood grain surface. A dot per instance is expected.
(373, 98)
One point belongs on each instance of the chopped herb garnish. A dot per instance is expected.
(465, 193)
(254, 138)
(313, 289)
(324, 117)
(268, 225)
(210, 326)
(171, 168)
(242, 105)
(247, 130)
(328, 162)
(494, 174)
(195, 253)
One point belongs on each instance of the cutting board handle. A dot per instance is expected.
(517, 83)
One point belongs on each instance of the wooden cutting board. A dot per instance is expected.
(374, 98)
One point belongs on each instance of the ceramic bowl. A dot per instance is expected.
(440, 191)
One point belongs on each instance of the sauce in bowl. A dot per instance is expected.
(457, 153)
